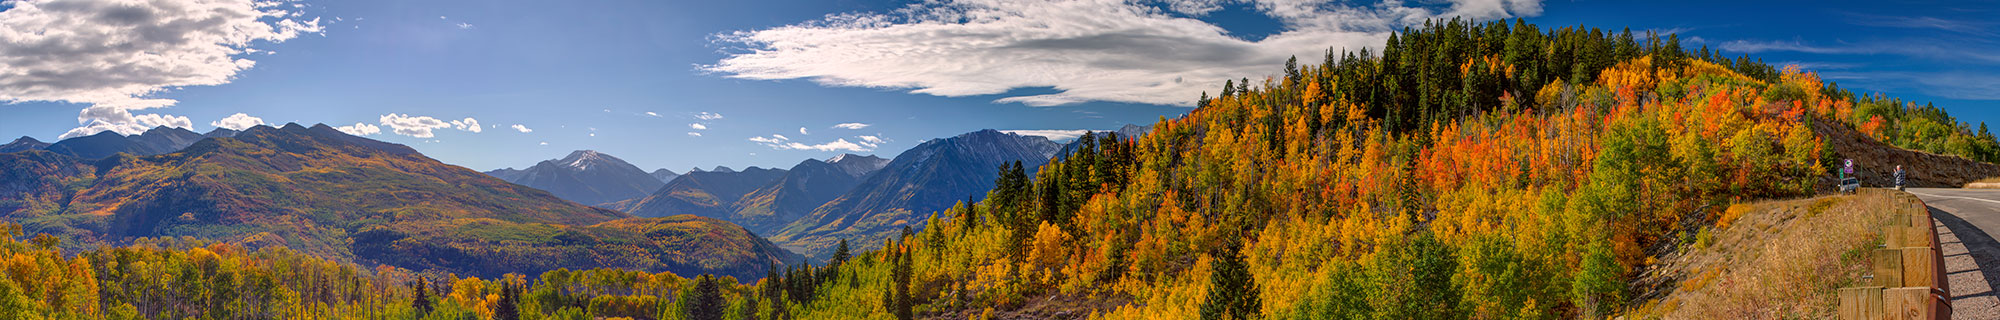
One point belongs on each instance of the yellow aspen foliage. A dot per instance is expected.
(1050, 249)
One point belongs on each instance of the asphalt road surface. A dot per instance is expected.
(1968, 220)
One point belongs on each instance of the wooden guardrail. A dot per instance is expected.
(1907, 278)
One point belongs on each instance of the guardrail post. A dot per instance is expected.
(1887, 266)
(1863, 303)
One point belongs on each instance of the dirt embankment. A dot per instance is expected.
(1772, 259)
(1875, 162)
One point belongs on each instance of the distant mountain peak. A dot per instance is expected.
(585, 176)
(585, 159)
(665, 175)
(221, 133)
(24, 143)
(723, 169)
(858, 165)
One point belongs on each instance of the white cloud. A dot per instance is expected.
(698, 126)
(469, 124)
(780, 142)
(652, 114)
(123, 122)
(871, 141)
(421, 126)
(463, 26)
(851, 126)
(112, 55)
(802, 131)
(523, 129)
(1088, 50)
(360, 129)
(1057, 135)
(545, 143)
(694, 134)
(708, 116)
(238, 122)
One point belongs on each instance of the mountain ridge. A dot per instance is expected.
(927, 178)
(346, 198)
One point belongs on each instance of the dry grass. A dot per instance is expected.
(1987, 183)
(1779, 259)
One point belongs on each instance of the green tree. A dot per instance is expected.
(840, 254)
(422, 302)
(1232, 293)
(510, 302)
(903, 303)
(705, 302)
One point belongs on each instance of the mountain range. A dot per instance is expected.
(319, 191)
(927, 178)
(585, 176)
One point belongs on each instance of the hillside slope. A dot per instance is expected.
(1876, 162)
(1773, 259)
(703, 193)
(805, 186)
(333, 195)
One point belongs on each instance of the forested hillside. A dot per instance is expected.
(1468, 170)
(1465, 171)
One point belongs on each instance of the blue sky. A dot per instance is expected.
(772, 82)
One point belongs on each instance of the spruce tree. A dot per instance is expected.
(510, 300)
(705, 301)
(901, 273)
(1232, 293)
(840, 254)
(422, 301)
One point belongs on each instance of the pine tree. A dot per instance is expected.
(510, 302)
(1232, 293)
(705, 302)
(422, 302)
(903, 303)
(840, 254)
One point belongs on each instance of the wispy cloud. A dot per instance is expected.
(1925, 50)
(851, 126)
(1983, 29)
(1056, 135)
(698, 126)
(523, 129)
(1949, 84)
(781, 142)
(1090, 50)
(1818, 66)
(708, 116)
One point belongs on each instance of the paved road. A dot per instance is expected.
(1969, 218)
